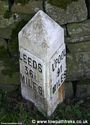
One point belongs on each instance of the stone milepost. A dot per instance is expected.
(42, 62)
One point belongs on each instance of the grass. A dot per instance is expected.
(15, 109)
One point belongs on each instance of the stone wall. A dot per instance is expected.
(72, 15)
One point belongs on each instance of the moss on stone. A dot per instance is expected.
(73, 26)
(61, 3)
(7, 14)
(10, 55)
(3, 7)
(23, 2)
(20, 1)
(9, 64)
(80, 47)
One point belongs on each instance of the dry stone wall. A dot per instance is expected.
(73, 16)
(76, 11)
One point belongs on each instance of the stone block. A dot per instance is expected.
(74, 12)
(3, 7)
(79, 29)
(7, 82)
(77, 39)
(6, 17)
(83, 90)
(2, 42)
(68, 90)
(5, 22)
(78, 32)
(31, 7)
(79, 47)
(5, 33)
(78, 61)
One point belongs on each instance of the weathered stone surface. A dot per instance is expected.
(78, 32)
(68, 90)
(4, 22)
(3, 7)
(78, 62)
(6, 79)
(77, 39)
(79, 29)
(9, 87)
(5, 33)
(83, 90)
(75, 12)
(2, 42)
(79, 47)
(42, 41)
(73, 73)
(32, 7)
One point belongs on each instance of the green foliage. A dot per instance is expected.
(77, 112)
(14, 110)
(61, 3)
(73, 111)
(17, 110)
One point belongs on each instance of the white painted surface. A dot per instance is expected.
(58, 68)
(41, 44)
